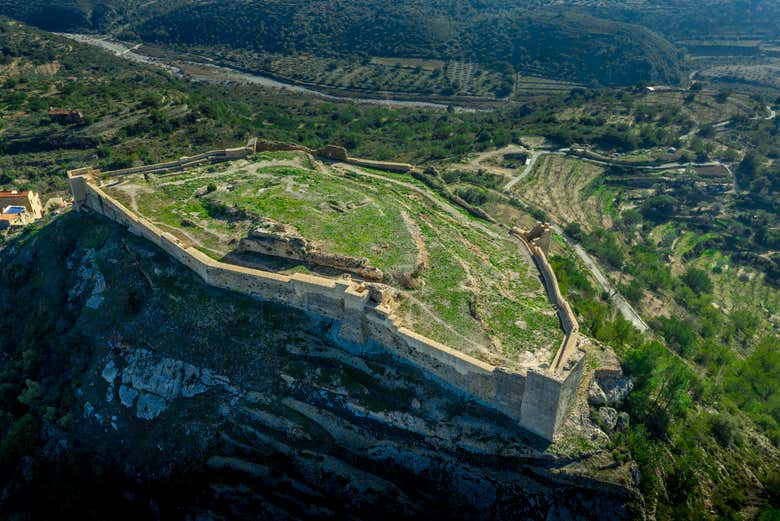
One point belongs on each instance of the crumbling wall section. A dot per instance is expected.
(330, 152)
(213, 156)
(280, 240)
(399, 168)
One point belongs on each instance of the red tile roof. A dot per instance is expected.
(13, 193)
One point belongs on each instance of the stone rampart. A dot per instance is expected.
(213, 156)
(399, 168)
(549, 394)
(538, 400)
(569, 323)
(330, 152)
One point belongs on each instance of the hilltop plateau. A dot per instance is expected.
(159, 395)
(464, 283)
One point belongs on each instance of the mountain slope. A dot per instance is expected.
(558, 45)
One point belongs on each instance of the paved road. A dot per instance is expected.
(527, 170)
(626, 309)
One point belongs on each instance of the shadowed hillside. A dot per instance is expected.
(577, 48)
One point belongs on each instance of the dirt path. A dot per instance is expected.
(250, 168)
(628, 312)
(476, 162)
(414, 231)
(133, 191)
(190, 237)
(451, 210)
(428, 311)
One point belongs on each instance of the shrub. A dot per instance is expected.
(726, 430)
(697, 280)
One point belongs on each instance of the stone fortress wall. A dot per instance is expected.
(330, 152)
(538, 399)
(569, 360)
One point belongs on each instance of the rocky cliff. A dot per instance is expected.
(139, 392)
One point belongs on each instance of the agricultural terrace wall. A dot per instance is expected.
(538, 400)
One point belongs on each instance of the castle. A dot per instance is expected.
(537, 398)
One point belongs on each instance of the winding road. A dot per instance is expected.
(626, 309)
(129, 53)
(527, 170)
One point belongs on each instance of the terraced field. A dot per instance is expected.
(739, 290)
(534, 86)
(565, 189)
(476, 291)
(399, 75)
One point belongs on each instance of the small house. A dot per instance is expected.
(26, 199)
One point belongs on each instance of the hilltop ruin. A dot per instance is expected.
(366, 311)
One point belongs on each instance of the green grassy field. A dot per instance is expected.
(477, 292)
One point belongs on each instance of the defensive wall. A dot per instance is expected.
(364, 312)
(556, 394)
(331, 152)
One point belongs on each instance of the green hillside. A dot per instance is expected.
(549, 43)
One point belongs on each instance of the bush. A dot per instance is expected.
(631, 217)
(659, 208)
(698, 281)
(678, 333)
(575, 231)
(632, 292)
(726, 430)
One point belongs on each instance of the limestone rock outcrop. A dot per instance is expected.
(609, 417)
(149, 382)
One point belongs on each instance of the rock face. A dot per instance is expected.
(596, 395)
(623, 422)
(609, 392)
(202, 404)
(89, 278)
(610, 385)
(616, 389)
(155, 381)
(282, 240)
(609, 416)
